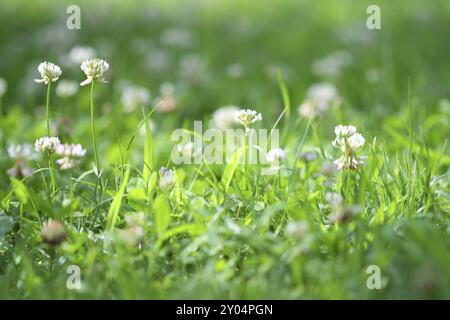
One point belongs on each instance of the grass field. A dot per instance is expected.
(343, 215)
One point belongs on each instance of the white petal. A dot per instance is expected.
(86, 82)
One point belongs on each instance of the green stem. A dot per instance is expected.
(47, 113)
(246, 158)
(52, 173)
(94, 143)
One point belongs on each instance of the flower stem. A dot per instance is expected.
(94, 143)
(52, 173)
(47, 113)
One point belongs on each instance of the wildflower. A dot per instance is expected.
(21, 154)
(47, 144)
(53, 232)
(3, 87)
(133, 235)
(332, 64)
(187, 150)
(307, 156)
(297, 230)
(94, 70)
(276, 156)
(193, 68)
(176, 37)
(343, 213)
(166, 102)
(167, 179)
(50, 72)
(70, 154)
(79, 54)
(320, 97)
(66, 88)
(223, 118)
(348, 140)
(133, 97)
(247, 117)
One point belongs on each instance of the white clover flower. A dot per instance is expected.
(3, 87)
(50, 72)
(66, 163)
(166, 102)
(297, 229)
(320, 97)
(176, 37)
(344, 131)
(332, 64)
(224, 117)
(70, 150)
(276, 156)
(247, 117)
(356, 141)
(167, 179)
(94, 70)
(21, 153)
(133, 97)
(79, 54)
(187, 149)
(66, 88)
(47, 144)
(348, 140)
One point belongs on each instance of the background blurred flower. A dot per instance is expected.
(134, 97)
(224, 117)
(66, 88)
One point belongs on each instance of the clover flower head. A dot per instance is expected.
(47, 144)
(276, 156)
(70, 155)
(70, 150)
(348, 140)
(50, 72)
(53, 232)
(21, 154)
(223, 117)
(247, 117)
(78, 54)
(3, 87)
(344, 131)
(66, 163)
(167, 179)
(66, 88)
(19, 151)
(167, 101)
(94, 70)
(133, 97)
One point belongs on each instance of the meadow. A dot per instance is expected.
(351, 200)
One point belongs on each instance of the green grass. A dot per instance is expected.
(223, 231)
